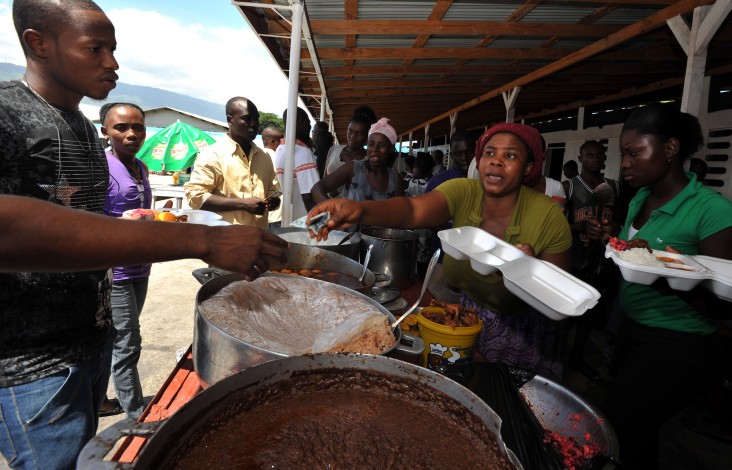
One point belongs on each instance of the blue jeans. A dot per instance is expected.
(44, 424)
(128, 297)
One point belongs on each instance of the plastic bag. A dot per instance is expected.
(291, 315)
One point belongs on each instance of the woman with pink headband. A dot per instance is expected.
(499, 203)
(370, 179)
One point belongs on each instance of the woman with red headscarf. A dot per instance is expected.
(499, 203)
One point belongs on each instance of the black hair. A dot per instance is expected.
(667, 122)
(269, 130)
(424, 163)
(590, 143)
(364, 115)
(46, 16)
(231, 105)
(322, 142)
(409, 160)
(698, 166)
(106, 107)
(571, 164)
(462, 135)
(301, 115)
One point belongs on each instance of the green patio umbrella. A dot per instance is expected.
(174, 148)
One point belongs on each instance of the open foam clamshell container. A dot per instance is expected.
(715, 273)
(720, 276)
(549, 289)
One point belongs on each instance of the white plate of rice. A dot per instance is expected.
(640, 266)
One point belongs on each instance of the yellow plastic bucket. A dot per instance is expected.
(444, 345)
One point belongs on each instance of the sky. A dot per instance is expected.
(200, 48)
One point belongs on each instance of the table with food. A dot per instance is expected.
(288, 355)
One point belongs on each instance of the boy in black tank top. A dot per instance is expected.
(590, 203)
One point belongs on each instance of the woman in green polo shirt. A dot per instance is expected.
(666, 350)
(513, 333)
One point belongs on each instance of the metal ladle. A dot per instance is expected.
(366, 262)
(425, 283)
(346, 238)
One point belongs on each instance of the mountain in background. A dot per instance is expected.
(143, 96)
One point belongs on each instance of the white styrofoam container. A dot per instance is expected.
(720, 271)
(460, 242)
(196, 216)
(485, 263)
(548, 288)
(216, 223)
(679, 277)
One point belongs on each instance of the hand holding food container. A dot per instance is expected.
(640, 264)
(549, 289)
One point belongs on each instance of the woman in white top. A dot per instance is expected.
(362, 119)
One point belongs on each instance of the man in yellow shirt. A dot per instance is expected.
(234, 177)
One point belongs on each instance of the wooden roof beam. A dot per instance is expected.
(647, 24)
(499, 53)
(350, 12)
(437, 13)
(479, 72)
(458, 28)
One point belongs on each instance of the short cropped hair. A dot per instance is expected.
(46, 16)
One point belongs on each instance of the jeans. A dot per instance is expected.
(128, 297)
(44, 424)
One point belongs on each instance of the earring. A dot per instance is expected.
(668, 161)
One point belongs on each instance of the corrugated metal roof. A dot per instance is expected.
(626, 15)
(480, 11)
(415, 60)
(364, 40)
(517, 43)
(394, 9)
(559, 14)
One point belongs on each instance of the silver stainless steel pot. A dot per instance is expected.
(307, 257)
(311, 257)
(394, 254)
(300, 236)
(166, 438)
(217, 354)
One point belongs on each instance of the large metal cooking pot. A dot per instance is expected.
(217, 354)
(307, 257)
(167, 438)
(394, 254)
(311, 257)
(301, 236)
(560, 410)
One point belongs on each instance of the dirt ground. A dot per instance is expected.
(166, 324)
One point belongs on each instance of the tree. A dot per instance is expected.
(270, 119)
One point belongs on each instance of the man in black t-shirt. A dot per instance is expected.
(55, 326)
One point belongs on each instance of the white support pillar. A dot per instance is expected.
(696, 63)
(427, 138)
(400, 159)
(322, 105)
(509, 100)
(453, 123)
(695, 42)
(580, 118)
(293, 82)
(411, 139)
